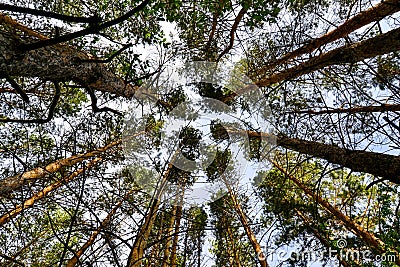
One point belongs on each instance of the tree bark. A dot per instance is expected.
(136, 255)
(167, 249)
(11, 184)
(379, 45)
(56, 63)
(352, 110)
(319, 236)
(372, 47)
(378, 164)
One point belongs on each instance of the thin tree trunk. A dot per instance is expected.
(372, 14)
(168, 242)
(176, 231)
(44, 192)
(243, 219)
(56, 63)
(136, 255)
(367, 109)
(74, 260)
(369, 238)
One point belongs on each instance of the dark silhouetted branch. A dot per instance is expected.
(95, 108)
(16, 86)
(95, 19)
(90, 30)
(51, 110)
(233, 31)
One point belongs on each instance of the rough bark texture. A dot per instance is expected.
(56, 63)
(379, 45)
(383, 165)
(40, 195)
(379, 164)
(369, 238)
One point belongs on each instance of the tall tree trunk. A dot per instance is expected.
(375, 13)
(41, 194)
(176, 234)
(74, 260)
(56, 63)
(372, 47)
(168, 243)
(375, 46)
(352, 110)
(369, 238)
(379, 164)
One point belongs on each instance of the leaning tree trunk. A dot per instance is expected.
(369, 238)
(378, 164)
(12, 183)
(136, 255)
(372, 14)
(319, 236)
(44, 192)
(243, 219)
(372, 47)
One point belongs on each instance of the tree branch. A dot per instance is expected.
(233, 31)
(89, 30)
(95, 19)
(15, 85)
(51, 110)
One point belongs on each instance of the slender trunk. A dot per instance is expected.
(44, 192)
(319, 236)
(243, 219)
(372, 14)
(235, 257)
(168, 242)
(185, 246)
(176, 235)
(56, 63)
(369, 238)
(136, 255)
(379, 45)
(74, 260)
(372, 47)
